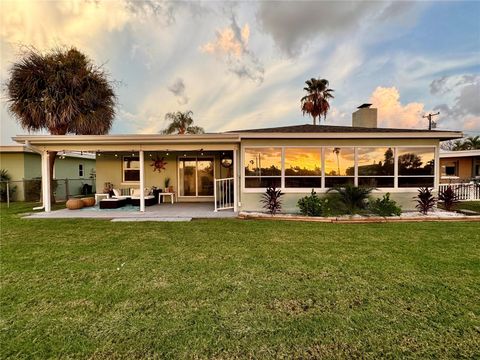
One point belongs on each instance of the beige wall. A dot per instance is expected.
(465, 168)
(109, 169)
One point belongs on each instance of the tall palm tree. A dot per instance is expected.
(472, 143)
(181, 123)
(315, 103)
(60, 91)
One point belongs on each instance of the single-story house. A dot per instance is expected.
(25, 168)
(232, 169)
(459, 166)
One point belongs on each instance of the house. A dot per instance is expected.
(459, 166)
(232, 169)
(25, 169)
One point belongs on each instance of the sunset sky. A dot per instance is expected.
(243, 65)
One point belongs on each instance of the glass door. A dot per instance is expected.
(196, 176)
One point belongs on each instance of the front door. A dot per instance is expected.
(195, 176)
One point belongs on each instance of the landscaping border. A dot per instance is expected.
(353, 220)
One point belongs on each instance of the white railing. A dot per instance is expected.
(464, 192)
(224, 194)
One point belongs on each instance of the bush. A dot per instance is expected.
(353, 198)
(385, 206)
(4, 179)
(425, 200)
(310, 205)
(271, 200)
(449, 198)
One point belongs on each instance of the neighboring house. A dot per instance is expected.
(24, 166)
(459, 166)
(233, 168)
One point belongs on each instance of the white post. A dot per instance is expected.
(142, 181)
(8, 194)
(215, 195)
(46, 182)
(235, 180)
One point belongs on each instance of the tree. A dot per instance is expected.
(469, 143)
(472, 143)
(181, 123)
(315, 103)
(60, 91)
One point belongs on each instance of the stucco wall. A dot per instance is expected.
(14, 164)
(68, 168)
(32, 165)
(251, 201)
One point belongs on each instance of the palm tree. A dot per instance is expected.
(336, 151)
(181, 123)
(472, 143)
(60, 91)
(315, 103)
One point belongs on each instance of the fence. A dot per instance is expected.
(31, 189)
(464, 191)
(223, 193)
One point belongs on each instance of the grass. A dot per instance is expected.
(238, 289)
(469, 205)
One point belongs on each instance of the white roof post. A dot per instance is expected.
(235, 180)
(142, 181)
(46, 197)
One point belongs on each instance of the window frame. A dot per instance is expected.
(324, 189)
(125, 168)
(282, 168)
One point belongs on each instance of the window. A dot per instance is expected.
(263, 167)
(303, 168)
(196, 176)
(375, 166)
(449, 168)
(131, 169)
(416, 167)
(339, 166)
(80, 170)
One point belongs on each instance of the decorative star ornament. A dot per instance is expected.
(158, 164)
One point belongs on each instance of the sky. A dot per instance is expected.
(241, 65)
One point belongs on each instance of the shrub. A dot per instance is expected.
(310, 205)
(4, 179)
(271, 200)
(425, 200)
(353, 198)
(385, 206)
(448, 197)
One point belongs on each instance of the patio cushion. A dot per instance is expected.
(116, 192)
(135, 192)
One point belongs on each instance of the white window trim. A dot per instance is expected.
(323, 189)
(196, 196)
(125, 182)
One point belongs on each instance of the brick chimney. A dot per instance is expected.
(365, 117)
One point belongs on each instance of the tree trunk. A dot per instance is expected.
(51, 162)
(314, 120)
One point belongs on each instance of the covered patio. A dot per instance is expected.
(161, 212)
(200, 169)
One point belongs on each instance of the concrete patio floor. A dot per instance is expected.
(161, 212)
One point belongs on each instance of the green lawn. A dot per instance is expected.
(238, 289)
(469, 205)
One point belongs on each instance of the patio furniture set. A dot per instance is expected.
(115, 199)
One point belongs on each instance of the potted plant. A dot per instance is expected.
(166, 182)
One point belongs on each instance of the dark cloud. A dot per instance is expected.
(466, 105)
(177, 88)
(293, 25)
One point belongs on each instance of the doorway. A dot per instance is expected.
(196, 176)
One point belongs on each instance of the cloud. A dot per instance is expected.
(392, 113)
(231, 44)
(464, 107)
(294, 25)
(177, 88)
